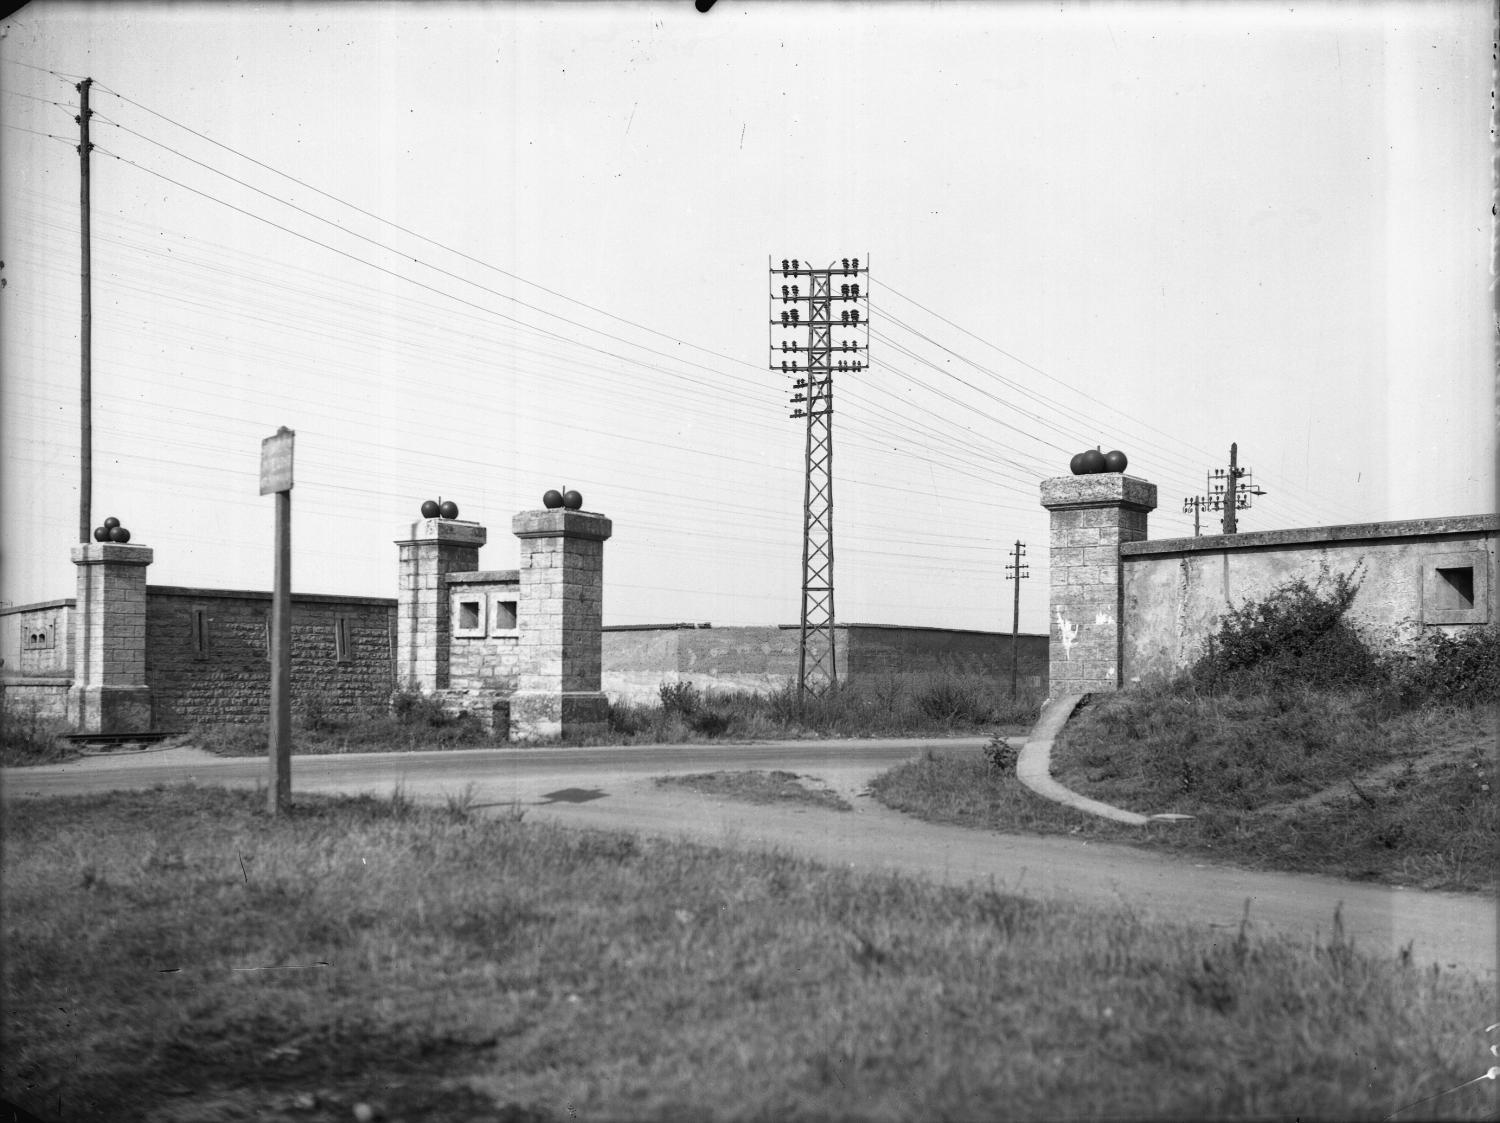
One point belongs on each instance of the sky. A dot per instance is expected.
(476, 251)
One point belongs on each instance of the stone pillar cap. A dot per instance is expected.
(448, 531)
(561, 522)
(119, 553)
(1099, 489)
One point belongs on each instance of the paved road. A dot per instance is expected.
(613, 788)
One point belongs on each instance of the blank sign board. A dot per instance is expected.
(276, 462)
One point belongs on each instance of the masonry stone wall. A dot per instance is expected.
(1416, 576)
(38, 696)
(484, 639)
(207, 658)
(1092, 515)
(34, 639)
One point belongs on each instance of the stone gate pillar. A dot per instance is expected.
(560, 616)
(424, 626)
(1091, 516)
(109, 692)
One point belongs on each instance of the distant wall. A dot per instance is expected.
(1419, 575)
(637, 660)
(207, 655)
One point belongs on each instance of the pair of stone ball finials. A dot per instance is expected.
(1093, 461)
(554, 499)
(447, 509)
(111, 531)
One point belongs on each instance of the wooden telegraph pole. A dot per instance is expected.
(85, 332)
(1016, 571)
(276, 478)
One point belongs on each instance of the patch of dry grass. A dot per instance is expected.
(176, 955)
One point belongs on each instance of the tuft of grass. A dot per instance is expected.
(758, 787)
(184, 956)
(875, 706)
(27, 738)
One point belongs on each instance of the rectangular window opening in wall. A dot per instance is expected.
(342, 646)
(468, 616)
(503, 615)
(1456, 588)
(268, 637)
(200, 632)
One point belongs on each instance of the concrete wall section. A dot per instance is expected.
(1416, 576)
(207, 655)
(876, 649)
(637, 660)
(34, 639)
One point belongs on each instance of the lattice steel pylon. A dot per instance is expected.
(813, 365)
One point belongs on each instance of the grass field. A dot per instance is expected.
(175, 955)
(1307, 781)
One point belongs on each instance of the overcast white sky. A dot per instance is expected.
(532, 245)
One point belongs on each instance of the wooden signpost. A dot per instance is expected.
(276, 478)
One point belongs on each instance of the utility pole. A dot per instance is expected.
(1193, 504)
(85, 334)
(804, 345)
(1017, 572)
(1226, 493)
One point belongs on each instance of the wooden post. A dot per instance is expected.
(276, 477)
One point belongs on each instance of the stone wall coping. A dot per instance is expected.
(453, 531)
(252, 594)
(561, 522)
(120, 553)
(9, 679)
(485, 577)
(1099, 489)
(656, 627)
(37, 606)
(1314, 535)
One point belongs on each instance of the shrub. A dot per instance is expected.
(1000, 755)
(27, 738)
(1463, 670)
(421, 710)
(628, 720)
(680, 698)
(1295, 636)
(709, 723)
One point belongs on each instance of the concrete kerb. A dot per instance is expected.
(1034, 767)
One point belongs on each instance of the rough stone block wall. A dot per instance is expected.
(227, 680)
